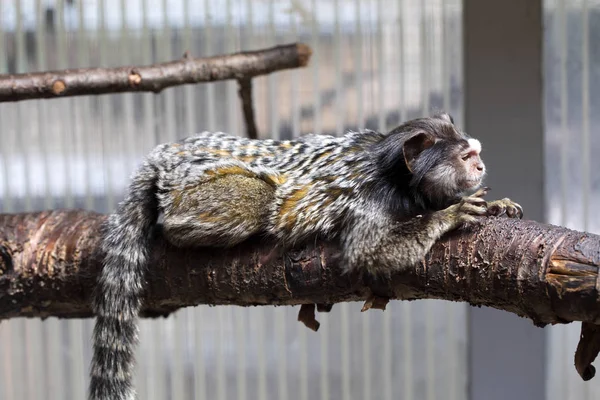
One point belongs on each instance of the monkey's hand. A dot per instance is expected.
(465, 212)
(506, 207)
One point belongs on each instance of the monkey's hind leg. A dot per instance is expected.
(222, 211)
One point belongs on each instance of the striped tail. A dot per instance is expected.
(120, 289)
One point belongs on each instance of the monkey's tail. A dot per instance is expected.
(120, 289)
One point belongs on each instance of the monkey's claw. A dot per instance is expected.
(506, 207)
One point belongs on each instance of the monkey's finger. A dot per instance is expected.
(473, 209)
(496, 210)
(514, 211)
(481, 192)
(519, 210)
(478, 201)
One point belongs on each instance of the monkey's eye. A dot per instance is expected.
(466, 157)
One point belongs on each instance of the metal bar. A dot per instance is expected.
(585, 111)
(273, 79)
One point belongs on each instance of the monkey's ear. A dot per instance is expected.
(445, 117)
(414, 146)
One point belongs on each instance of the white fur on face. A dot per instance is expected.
(475, 145)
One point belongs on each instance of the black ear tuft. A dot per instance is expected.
(414, 146)
(445, 117)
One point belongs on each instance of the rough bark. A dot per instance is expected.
(49, 261)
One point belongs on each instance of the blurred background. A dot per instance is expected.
(375, 63)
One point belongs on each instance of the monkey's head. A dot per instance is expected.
(435, 159)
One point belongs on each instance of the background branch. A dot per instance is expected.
(153, 78)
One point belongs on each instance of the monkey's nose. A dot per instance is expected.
(479, 167)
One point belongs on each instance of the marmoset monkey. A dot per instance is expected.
(386, 197)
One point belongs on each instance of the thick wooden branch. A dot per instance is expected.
(549, 274)
(49, 261)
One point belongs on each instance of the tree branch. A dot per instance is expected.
(49, 261)
(154, 78)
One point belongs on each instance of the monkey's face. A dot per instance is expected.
(450, 167)
(443, 161)
(435, 159)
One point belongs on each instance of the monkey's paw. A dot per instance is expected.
(466, 211)
(506, 207)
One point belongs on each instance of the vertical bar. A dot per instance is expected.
(259, 320)
(325, 395)
(402, 73)
(33, 350)
(210, 90)
(294, 76)
(358, 69)
(425, 72)
(339, 82)
(445, 49)
(22, 137)
(199, 367)
(314, 65)
(233, 105)
(240, 336)
(345, 350)
(281, 344)
(105, 117)
(61, 107)
(564, 112)
(56, 359)
(190, 99)
(585, 111)
(78, 378)
(221, 356)
(5, 150)
(149, 115)
(130, 132)
(45, 131)
(81, 111)
(460, 62)
(407, 323)
(303, 350)
(450, 307)
(382, 66)
(17, 359)
(387, 356)
(503, 99)
(168, 95)
(273, 79)
(6, 378)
